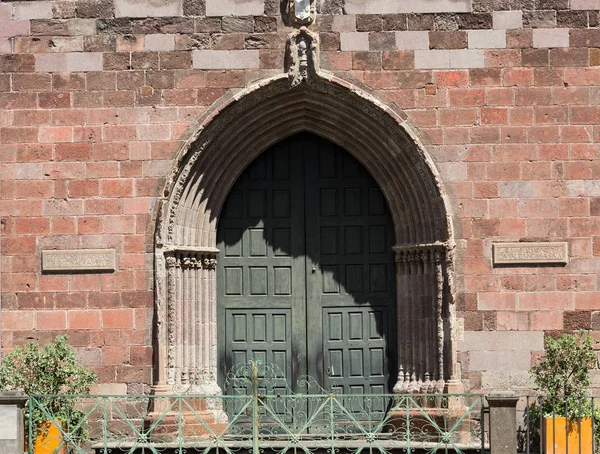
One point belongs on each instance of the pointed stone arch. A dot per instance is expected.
(208, 166)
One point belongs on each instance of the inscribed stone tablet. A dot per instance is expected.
(530, 253)
(79, 260)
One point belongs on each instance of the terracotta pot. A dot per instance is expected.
(49, 440)
(557, 436)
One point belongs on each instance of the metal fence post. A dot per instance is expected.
(503, 422)
(12, 429)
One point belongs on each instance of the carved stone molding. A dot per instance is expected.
(226, 143)
(303, 56)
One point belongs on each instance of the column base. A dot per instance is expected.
(192, 415)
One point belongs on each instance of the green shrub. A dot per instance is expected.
(562, 377)
(51, 370)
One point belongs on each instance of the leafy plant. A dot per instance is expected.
(562, 376)
(50, 371)
(564, 370)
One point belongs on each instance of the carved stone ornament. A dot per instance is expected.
(303, 48)
(300, 12)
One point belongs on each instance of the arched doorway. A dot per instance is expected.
(306, 272)
(210, 163)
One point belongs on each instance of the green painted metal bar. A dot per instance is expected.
(245, 419)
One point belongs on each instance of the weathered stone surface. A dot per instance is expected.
(237, 24)
(331, 6)
(121, 26)
(194, 7)
(265, 24)
(576, 320)
(95, 9)
(539, 19)
(79, 260)
(529, 253)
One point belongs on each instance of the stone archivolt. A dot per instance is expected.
(212, 161)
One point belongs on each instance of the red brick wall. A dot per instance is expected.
(94, 106)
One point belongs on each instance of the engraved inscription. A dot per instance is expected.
(79, 260)
(530, 253)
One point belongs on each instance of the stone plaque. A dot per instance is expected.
(530, 253)
(79, 260)
(9, 417)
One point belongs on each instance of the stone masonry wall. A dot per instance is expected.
(97, 97)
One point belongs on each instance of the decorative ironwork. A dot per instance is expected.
(256, 416)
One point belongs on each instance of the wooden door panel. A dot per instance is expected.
(356, 348)
(350, 286)
(306, 235)
(260, 273)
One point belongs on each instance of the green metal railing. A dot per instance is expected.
(254, 419)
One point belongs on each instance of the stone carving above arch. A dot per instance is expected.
(217, 154)
(303, 55)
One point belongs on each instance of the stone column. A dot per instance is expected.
(191, 362)
(420, 280)
(503, 422)
(12, 430)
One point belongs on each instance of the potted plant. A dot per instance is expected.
(563, 377)
(48, 372)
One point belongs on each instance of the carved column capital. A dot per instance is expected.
(172, 261)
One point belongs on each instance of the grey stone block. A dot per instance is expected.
(550, 37)
(403, 6)
(354, 41)
(32, 10)
(235, 7)
(159, 42)
(504, 20)
(344, 23)
(487, 39)
(147, 8)
(499, 360)
(585, 4)
(412, 40)
(225, 59)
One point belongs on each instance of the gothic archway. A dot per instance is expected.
(211, 162)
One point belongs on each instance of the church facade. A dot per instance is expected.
(388, 196)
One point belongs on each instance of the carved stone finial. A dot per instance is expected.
(303, 48)
(301, 12)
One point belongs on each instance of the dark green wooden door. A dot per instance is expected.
(306, 271)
